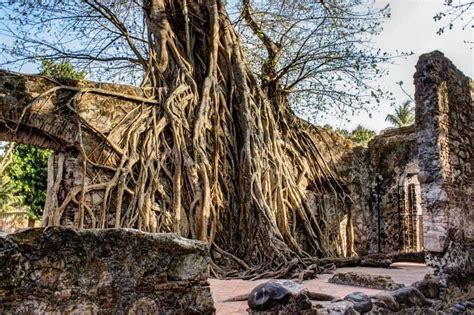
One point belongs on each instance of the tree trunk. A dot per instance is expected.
(216, 160)
(238, 168)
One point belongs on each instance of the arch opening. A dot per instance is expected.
(412, 216)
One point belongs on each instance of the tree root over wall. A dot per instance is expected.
(207, 155)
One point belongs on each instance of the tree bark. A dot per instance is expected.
(207, 154)
(238, 165)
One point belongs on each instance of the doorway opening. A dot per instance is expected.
(412, 217)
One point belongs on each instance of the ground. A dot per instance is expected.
(405, 273)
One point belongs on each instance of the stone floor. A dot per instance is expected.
(405, 273)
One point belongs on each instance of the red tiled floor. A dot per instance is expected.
(405, 273)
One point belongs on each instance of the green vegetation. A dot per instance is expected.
(29, 172)
(404, 115)
(62, 69)
(9, 198)
(360, 134)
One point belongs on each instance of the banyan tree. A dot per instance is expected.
(206, 152)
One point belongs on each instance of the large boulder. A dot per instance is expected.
(410, 296)
(280, 296)
(361, 301)
(429, 286)
(386, 301)
(63, 270)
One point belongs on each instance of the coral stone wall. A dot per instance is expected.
(444, 120)
(436, 157)
(59, 270)
(378, 177)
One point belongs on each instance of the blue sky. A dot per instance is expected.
(412, 28)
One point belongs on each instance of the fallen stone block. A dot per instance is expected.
(114, 271)
(365, 280)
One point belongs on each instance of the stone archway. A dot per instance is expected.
(36, 110)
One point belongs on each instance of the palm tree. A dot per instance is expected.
(404, 115)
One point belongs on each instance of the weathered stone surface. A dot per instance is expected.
(296, 305)
(49, 124)
(365, 280)
(361, 301)
(341, 307)
(445, 139)
(379, 177)
(377, 261)
(394, 165)
(386, 301)
(410, 296)
(278, 295)
(466, 307)
(60, 270)
(429, 286)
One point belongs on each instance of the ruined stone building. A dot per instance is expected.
(413, 186)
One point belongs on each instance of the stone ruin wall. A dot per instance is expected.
(436, 155)
(393, 160)
(60, 270)
(378, 176)
(445, 132)
(333, 207)
(47, 123)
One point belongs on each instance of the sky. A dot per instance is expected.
(411, 28)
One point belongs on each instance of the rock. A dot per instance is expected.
(429, 286)
(317, 296)
(454, 311)
(468, 304)
(388, 301)
(376, 261)
(341, 307)
(361, 301)
(268, 295)
(275, 294)
(280, 297)
(410, 296)
(59, 270)
(460, 307)
(365, 280)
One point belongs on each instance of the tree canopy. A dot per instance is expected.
(62, 69)
(320, 56)
(456, 12)
(28, 172)
(360, 135)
